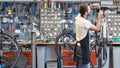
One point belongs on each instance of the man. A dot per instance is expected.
(82, 35)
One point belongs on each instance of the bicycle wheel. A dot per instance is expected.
(66, 37)
(98, 55)
(14, 47)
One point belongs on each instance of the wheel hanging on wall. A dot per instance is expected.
(14, 48)
(63, 43)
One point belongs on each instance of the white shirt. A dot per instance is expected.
(82, 26)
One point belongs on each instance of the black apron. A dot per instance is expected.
(82, 51)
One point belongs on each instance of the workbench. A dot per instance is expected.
(47, 53)
(37, 43)
(114, 55)
(114, 43)
(49, 43)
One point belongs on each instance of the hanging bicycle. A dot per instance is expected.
(99, 46)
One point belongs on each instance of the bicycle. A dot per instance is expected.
(9, 62)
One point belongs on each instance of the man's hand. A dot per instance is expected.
(100, 14)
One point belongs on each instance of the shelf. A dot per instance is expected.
(6, 0)
(55, 0)
(18, 0)
(73, 0)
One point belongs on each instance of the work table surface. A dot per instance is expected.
(37, 43)
(47, 43)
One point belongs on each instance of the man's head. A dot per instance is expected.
(84, 10)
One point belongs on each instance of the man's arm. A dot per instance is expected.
(97, 26)
(100, 13)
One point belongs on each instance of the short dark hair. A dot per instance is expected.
(82, 9)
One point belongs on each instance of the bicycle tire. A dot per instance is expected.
(15, 44)
(69, 47)
(94, 46)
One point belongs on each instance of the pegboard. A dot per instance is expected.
(50, 23)
(113, 21)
